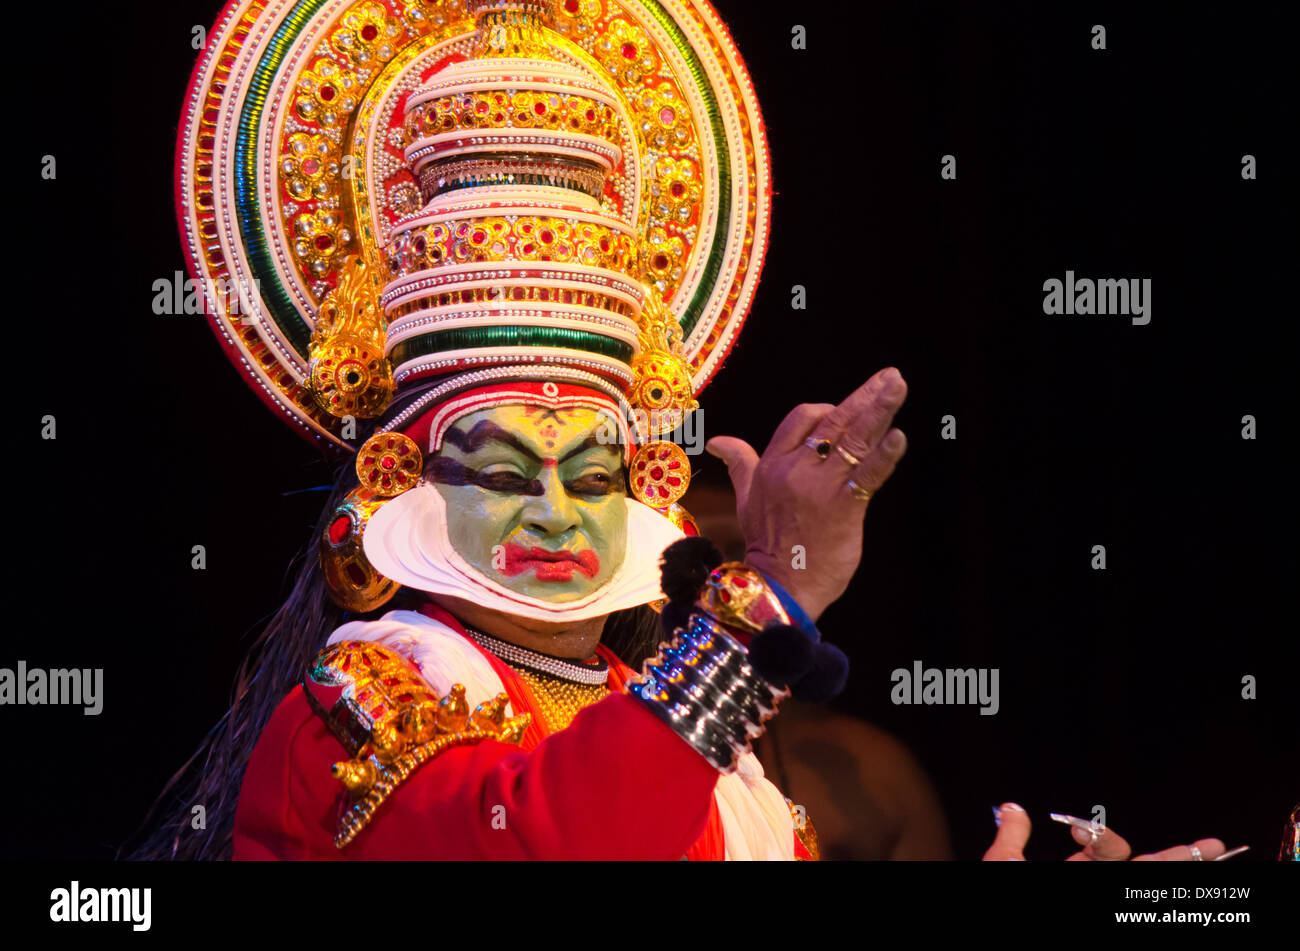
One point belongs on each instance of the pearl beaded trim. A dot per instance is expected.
(525, 372)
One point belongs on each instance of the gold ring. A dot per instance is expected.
(848, 457)
(858, 492)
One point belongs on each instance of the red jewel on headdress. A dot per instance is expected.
(389, 464)
(661, 474)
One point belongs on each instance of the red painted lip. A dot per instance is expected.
(549, 565)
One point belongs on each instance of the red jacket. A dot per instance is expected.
(615, 784)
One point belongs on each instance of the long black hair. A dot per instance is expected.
(273, 667)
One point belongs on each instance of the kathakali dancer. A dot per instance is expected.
(491, 251)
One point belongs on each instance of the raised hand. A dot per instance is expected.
(811, 487)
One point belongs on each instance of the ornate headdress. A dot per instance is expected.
(405, 211)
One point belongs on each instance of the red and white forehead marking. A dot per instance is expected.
(548, 405)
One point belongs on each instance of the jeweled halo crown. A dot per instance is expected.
(392, 205)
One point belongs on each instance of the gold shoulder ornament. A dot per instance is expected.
(392, 722)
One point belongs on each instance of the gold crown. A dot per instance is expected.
(443, 187)
(513, 257)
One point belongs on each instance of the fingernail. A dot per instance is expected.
(1013, 806)
(1232, 853)
(1081, 830)
(997, 816)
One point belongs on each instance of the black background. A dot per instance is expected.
(1119, 687)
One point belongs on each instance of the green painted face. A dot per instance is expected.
(534, 500)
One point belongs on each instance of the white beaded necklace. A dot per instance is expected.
(589, 674)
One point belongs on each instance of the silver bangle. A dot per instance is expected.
(702, 685)
(731, 712)
(704, 736)
(719, 671)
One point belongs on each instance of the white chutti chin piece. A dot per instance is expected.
(407, 541)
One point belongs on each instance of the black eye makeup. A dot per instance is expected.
(450, 472)
(594, 483)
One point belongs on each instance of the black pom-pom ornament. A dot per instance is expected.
(685, 566)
